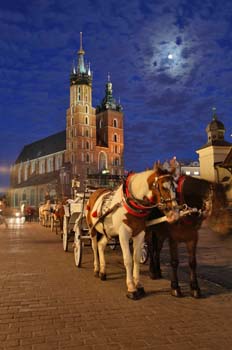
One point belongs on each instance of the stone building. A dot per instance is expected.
(215, 157)
(90, 150)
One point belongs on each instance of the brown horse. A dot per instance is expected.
(207, 199)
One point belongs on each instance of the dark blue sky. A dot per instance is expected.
(167, 99)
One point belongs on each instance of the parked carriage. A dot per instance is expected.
(75, 229)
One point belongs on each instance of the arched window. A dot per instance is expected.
(16, 199)
(87, 144)
(102, 163)
(24, 196)
(32, 199)
(86, 120)
(41, 195)
(115, 123)
(87, 158)
(115, 138)
(86, 109)
(87, 133)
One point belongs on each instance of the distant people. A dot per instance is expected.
(29, 213)
(59, 213)
(3, 212)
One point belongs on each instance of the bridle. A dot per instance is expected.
(156, 186)
(138, 207)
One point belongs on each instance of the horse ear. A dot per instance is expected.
(157, 165)
(174, 166)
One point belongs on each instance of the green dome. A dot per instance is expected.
(215, 124)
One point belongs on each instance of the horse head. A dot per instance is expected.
(161, 184)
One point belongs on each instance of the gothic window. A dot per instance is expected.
(49, 164)
(86, 109)
(87, 133)
(16, 199)
(115, 138)
(87, 158)
(41, 195)
(25, 172)
(73, 158)
(115, 123)
(42, 166)
(87, 144)
(86, 120)
(116, 161)
(32, 199)
(32, 167)
(102, 161)
(24, 196)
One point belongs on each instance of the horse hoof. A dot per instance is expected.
(133, 295)
(196, 293)
(155, 275)
(141, 292)
(102, 276)
(176, 293)
(96, 274)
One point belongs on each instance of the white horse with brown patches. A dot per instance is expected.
(123, 213)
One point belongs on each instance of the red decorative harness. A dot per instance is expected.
(179, 189)
(133, 207)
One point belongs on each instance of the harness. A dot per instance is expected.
(138, 207)
(179, 190)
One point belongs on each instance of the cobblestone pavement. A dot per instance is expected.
(48, 303)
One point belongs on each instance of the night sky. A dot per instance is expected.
(170, 62)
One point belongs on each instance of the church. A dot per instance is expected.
(89, 152)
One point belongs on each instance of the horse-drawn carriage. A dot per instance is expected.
(75, 228)
(182, 204)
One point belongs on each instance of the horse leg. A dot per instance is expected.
(101, 250)
(137, 248)
(191, 247)
(175, 288)
(95, 255)
(124, 238)
(155, 245)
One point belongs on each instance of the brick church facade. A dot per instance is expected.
(89, 152)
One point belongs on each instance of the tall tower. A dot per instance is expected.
(81, 120)
(110, 134)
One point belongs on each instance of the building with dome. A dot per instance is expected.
(215, 157)
(90, 149)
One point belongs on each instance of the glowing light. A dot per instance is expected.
(170, 56)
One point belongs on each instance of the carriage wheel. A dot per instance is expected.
(65, 241)
(65, 234)
(78, 248)
(52, 223)
(144, 253)
(113, 243)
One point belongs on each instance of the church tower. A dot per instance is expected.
(81, 120)
(215, 151)
(110, 135)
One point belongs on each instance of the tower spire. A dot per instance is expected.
(81, 52)
(214, 113)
